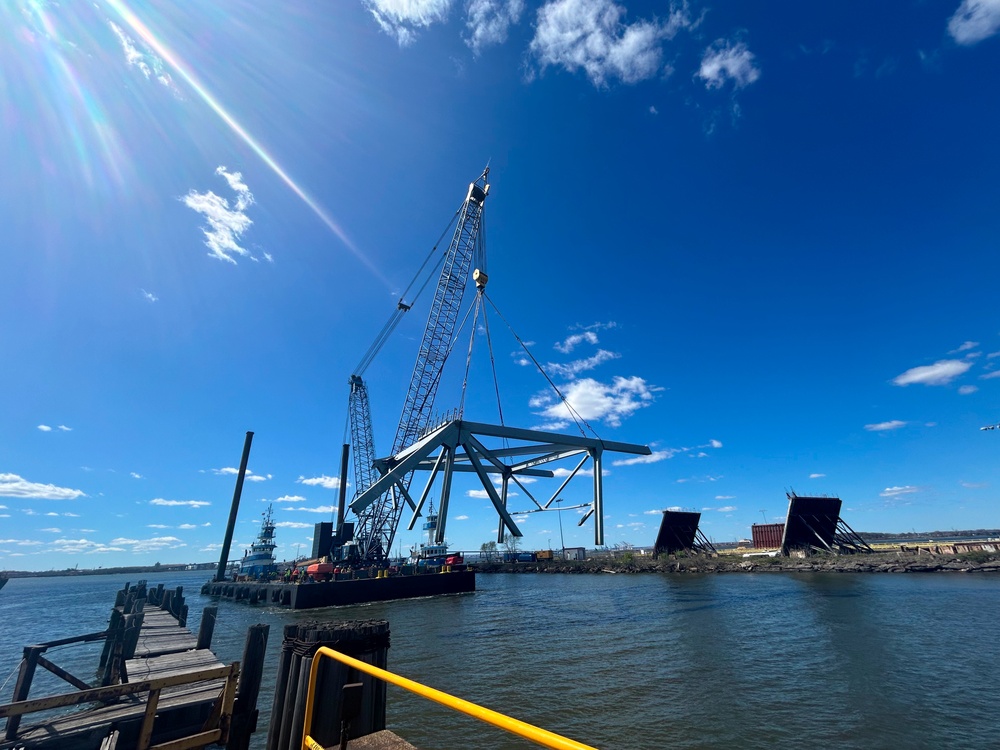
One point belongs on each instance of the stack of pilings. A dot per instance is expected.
(366, 640)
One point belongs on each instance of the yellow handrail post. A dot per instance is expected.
(530, 732)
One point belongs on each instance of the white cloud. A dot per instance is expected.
(965, 347)
(652, 458)
(726, 509)
(150, 65)
(974, 21)
(64, 428)
(571, 342)
(478, 494)
(156, 526)
(317, 509)
(653, 110)
(330, 483)
(728, 61)
(11, 485)
(563, 472)
(293, 525)
(896, 491)
(990, 375)
(571, 369)
(489, 20)
(590, 35)
(290, 499)
(816, 476)
(716, 443)
(44, 428)
(725, 497)
(590, 399)
(461, 518)
(402, 19)
(52, 530)
(894, 424)
(187, 526)
(135, 475)
(179, 503)
(149, 296)
(940, 373)
(225, 226)
(965, 390)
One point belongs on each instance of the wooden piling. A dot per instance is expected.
(207, 628)
(367, 640)
(245, 709)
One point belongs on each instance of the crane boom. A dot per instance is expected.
(378, 522)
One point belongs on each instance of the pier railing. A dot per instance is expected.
(530, 732)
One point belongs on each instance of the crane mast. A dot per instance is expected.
(378, 522)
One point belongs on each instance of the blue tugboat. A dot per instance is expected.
(258, 562)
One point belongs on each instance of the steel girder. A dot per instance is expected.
(459, 446)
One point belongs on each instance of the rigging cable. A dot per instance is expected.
(574, 414)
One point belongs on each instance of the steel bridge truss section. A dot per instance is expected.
(460, 446)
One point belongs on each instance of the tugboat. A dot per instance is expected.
(258, 562)
(429, 552)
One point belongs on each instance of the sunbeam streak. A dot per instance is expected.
(174, 61)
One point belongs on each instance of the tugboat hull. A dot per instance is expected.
(342, 592)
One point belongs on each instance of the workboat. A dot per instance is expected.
(432, 552)
(258, 561)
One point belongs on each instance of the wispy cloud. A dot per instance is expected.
(652, 458)
(726, 61)
(897, 491)
(974, 21)
(330, 483)
(591, 399)
(11, 485)
(64, 428)
(570, 370)
(44, 428)
(135, 475)
(225, 225)
(590, 35)
(726, 509)
(965, 347)
(150, 65)
(816, 476)
(965, 390)
(940, 373)
(149, 296)
(402, 19)
(179, 503)
(293, 525)
(488, 21)
(894, 424)
(568, 344)
(248, 477)
(317, 509)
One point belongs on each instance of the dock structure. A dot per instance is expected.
(158, 685)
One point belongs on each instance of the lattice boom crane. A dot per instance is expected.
(377, 523)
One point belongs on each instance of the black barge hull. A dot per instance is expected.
(336, 593)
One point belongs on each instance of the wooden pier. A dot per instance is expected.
(158, 685)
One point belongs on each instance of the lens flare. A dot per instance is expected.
(188, 75)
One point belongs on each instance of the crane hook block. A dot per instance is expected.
(480, 278)
(477, 194)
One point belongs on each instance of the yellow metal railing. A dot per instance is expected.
(543, 737)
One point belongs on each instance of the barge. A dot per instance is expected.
(352, 587)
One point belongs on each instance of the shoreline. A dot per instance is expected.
(878, 562)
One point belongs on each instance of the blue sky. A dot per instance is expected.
(760, 239)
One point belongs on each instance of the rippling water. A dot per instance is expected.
(639, 661)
